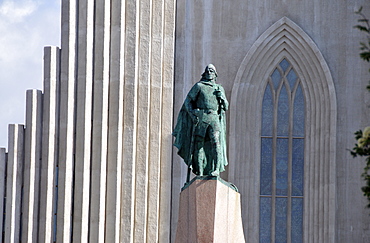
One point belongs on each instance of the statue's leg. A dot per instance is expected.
(208, 153)
(216, 151)
(198, 156)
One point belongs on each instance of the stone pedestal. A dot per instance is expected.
(209, 212)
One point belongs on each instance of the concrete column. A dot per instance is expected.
(32, 166)
(155, 120)
(14, 183)
(81, 200)
(115, 122)
(3, 161)
(67, 120)
(131, 59)
(143, 87)
(100, 121)
(48, 189)
(167, 120)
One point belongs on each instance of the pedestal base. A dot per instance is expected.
(209, 212)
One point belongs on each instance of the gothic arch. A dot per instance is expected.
(285, 39)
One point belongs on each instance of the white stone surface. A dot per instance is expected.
(84, 105)
(100, 121)
(115, 123)
(144, 83)
(3, 161)
(155, 109)
(166, 121)
(32, 166)
(106, 164)
(48, 189)
(14, 183)
(130, 113)
(67, 119)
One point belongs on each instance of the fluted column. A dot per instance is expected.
(3, 161)
(48, 189)
(32, 166)
(100, 121)
(67, 120)
(130, 107)
(106, 157)
(84, 105)
(168, 57)
(14, 183)
(115, 122)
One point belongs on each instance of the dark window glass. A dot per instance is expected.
(282, 157)
(265, 217)
(267, 112)
(283, 113)
(266, 166)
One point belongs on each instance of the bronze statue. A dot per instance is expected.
(200, 131)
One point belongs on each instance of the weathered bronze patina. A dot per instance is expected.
(200, 131)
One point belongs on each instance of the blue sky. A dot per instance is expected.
(26, 26)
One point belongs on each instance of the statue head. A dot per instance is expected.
(210, 73)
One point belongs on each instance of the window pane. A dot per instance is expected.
(265, 219)
(297, 220)
(284, 64)
(298, 113)
(276, 78)
(282, 157)
(292, 78)
(266, 166)
(283, 113)
(267, 112)
(282, 149)
(281, 220)
(297, 167)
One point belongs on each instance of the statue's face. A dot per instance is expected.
(210, 72)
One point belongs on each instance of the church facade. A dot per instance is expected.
(94, 161)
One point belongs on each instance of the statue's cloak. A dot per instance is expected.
(183, 134)
(184, 137)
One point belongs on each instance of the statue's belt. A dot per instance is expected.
(207, 111)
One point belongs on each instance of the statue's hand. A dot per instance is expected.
(194, 116)
(195, 119)
(218, 93)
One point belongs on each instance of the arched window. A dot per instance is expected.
(275, 129)
(282, 157)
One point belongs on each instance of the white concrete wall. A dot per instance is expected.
(100, 113)
(110, 157)
(32, 166)
(14, 176)
(103, 172)
(66, 120)
(3, 161)
(48, 188)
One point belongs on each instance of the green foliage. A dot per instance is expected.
(364, 26)
(364, 151)
(362, 147)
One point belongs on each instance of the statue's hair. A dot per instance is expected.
(204, 73)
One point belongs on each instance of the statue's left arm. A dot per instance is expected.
(224, 102)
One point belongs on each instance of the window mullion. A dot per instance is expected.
(290, 161)
(274, 142)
